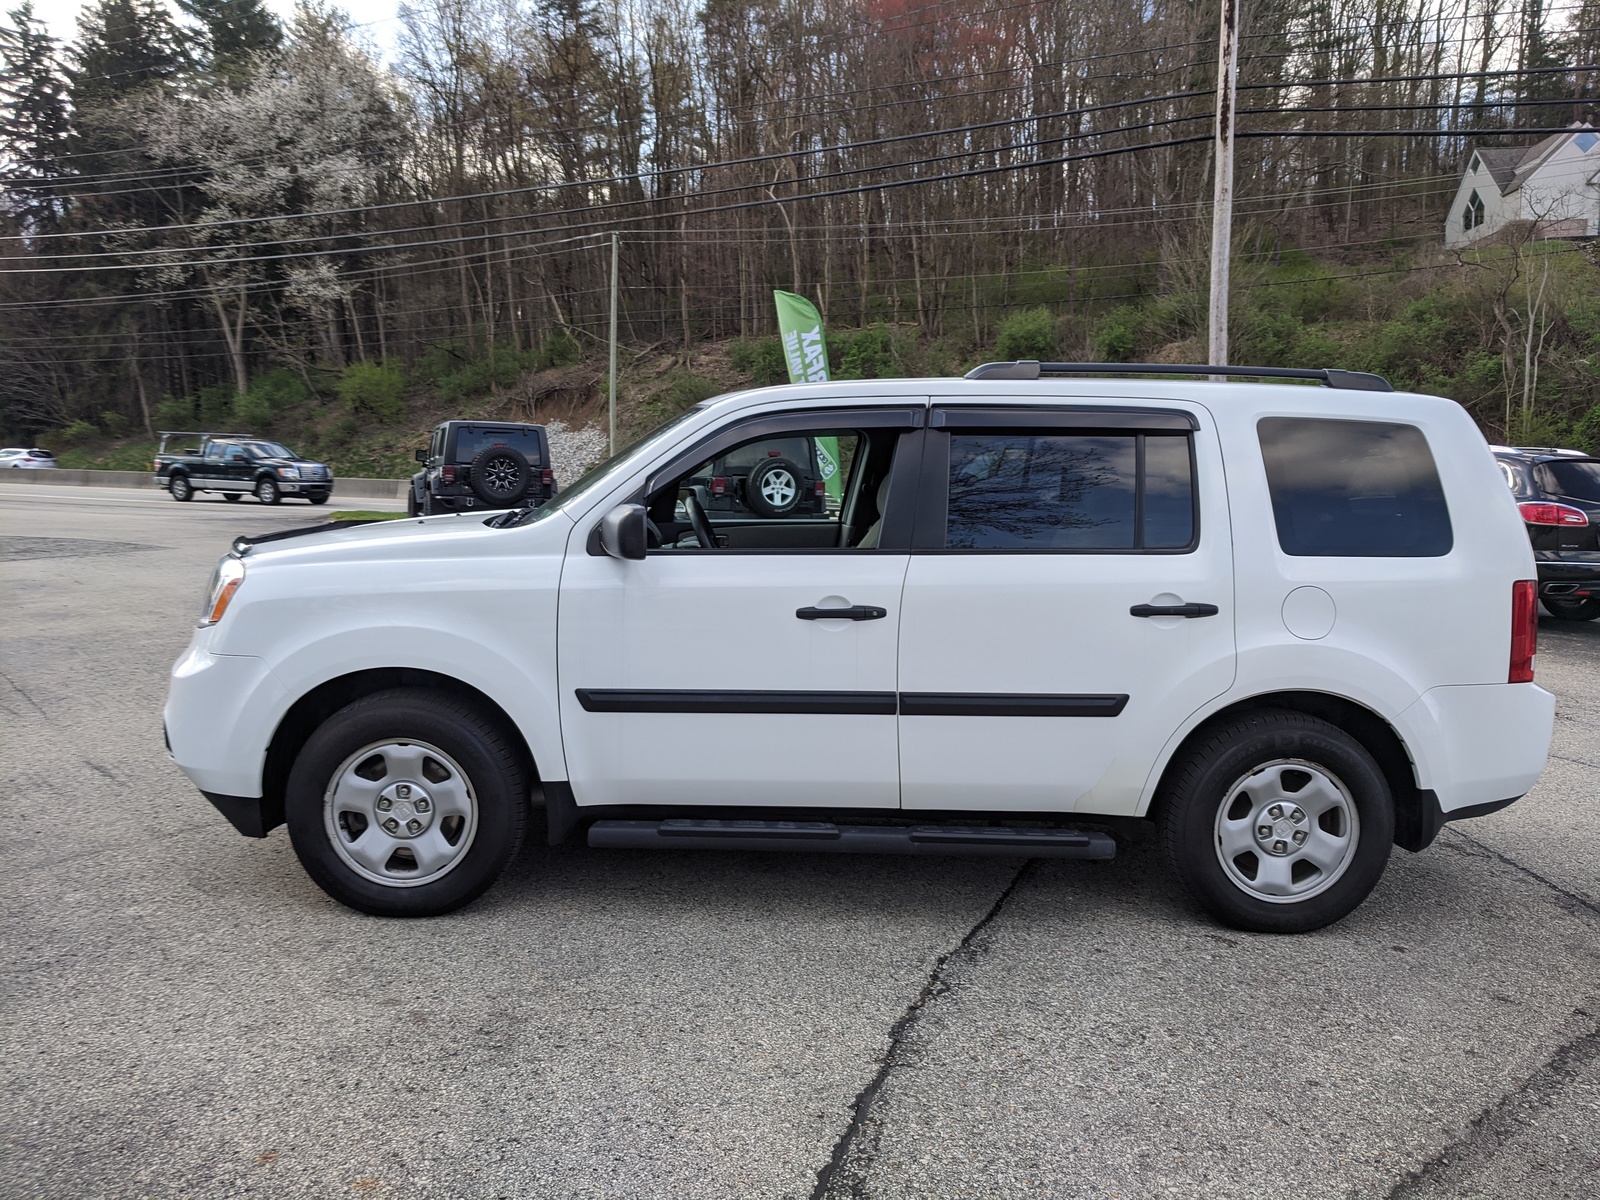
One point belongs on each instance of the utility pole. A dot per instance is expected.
(1222, 207)
(611, 442)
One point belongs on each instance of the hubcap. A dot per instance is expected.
(779, 488)
(1286, 831)
(400, 813)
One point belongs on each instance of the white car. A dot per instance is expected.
(1041, 606)
(27, 459)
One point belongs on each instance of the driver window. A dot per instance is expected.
(815, 489)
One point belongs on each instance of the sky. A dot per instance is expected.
(374, 18)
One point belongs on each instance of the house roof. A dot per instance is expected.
(1512, 166)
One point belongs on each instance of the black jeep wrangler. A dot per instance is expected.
(482, 464)
(767, 479)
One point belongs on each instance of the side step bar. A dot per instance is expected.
(824, 837)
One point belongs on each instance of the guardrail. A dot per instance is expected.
(343, 488)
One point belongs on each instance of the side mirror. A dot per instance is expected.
(622, 531)
(422, 456)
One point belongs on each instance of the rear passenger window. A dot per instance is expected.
(1354, 489)
(1058, 491)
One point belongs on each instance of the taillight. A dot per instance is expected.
(1524, 630)
(719, 485)
(1552, 514)
(547, 477)
(819, 489)
(447, 474)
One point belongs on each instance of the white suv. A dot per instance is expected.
(1293, 624)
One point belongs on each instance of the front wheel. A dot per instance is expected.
(267, 492)
(1573, 610)
(181, 489)
(1278, 822)
(406, 804)
(230, 497)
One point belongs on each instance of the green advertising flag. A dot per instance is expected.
(805, 350)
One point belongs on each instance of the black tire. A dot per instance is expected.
(1573, 610)
(1204, 806)
(230, 497)
(180, 487)
(413, 509)
(267, 492)
(500, 476)
(318, 497)
(773, 488)
(489, 765)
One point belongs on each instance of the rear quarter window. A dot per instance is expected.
(1578, 479)
(1354, 489)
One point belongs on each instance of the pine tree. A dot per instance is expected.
(123, 45)
(33, 117)
(231, 33)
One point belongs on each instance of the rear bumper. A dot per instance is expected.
(1473, 745)
(1569, 576)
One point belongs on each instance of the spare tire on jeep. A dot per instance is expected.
(500, 476)
(773, 488)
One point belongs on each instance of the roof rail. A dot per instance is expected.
(1359, 381)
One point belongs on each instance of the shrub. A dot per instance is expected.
(375, 390)
(868, 355)
(215, 405)
(1028, 335)
(480, 376)
(76, 433)
(557, 350)
(1116, 334)
(269, 396)
(174, 413)
(114, 423)
(688, 390)
(761, 359)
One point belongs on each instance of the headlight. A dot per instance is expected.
(225, 582)
(289, 472)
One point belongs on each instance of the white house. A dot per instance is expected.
(1552, 183)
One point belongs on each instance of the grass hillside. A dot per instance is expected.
(1512, 332)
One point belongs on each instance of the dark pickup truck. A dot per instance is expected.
(238, 463)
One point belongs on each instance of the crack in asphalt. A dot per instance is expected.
(1496, 1124)
(1577, 898)
(830, 1182)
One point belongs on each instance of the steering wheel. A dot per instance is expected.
(698, 522)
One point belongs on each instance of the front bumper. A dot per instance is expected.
(306, 487)
(220, 714)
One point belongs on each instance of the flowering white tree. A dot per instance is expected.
(313, 128)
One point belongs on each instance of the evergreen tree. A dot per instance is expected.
(33, 117)
(123, 45)
(231, 33)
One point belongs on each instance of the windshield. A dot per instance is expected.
(600, 472)
(268, 450)
(1580, 480)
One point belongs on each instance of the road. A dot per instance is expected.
(185, 1014)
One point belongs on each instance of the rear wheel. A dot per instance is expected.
(318, 497)
(406, 804)
(181, 488)
(267, 492)
(1278, 822)
(1573, 610)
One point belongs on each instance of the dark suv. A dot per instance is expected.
(1558, 492)
(776, 477)
(482, 464)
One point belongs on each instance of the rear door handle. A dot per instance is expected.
(856, 612)
(1174, 610)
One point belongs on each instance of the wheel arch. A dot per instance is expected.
(1416, 819)
(327, 698)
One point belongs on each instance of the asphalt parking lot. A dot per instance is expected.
(185, 1014)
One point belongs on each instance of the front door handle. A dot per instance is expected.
(856, 612)
(1173, 610)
